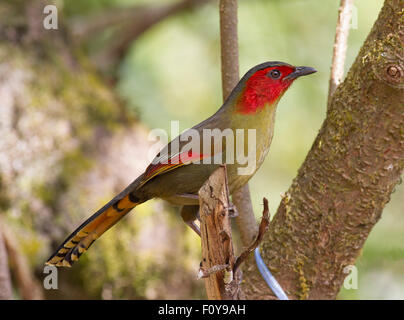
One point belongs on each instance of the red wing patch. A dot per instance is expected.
(176, 161)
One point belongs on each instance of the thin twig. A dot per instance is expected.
(205, 273)
(261, 231)
(340, 46)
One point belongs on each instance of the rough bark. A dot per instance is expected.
(217, 244)
(348, 176)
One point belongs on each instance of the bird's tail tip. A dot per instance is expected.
(84, 236)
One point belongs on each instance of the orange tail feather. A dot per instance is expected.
(84, 236)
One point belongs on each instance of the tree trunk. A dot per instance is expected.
(348, 176)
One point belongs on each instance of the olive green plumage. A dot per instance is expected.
(251, 106)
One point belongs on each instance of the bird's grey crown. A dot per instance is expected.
(269, 64)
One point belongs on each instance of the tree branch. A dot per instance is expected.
(219, 266)
(5, 279)
(129, 24)
(28, 287)
(230, 76)
(139, 18)
(261, 231)
(348, 176)
(228, 45)
(217, 245)
(340, 45)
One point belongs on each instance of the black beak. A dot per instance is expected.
(300, 71)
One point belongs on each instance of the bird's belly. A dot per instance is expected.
(187, 179)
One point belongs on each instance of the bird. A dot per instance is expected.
(177, 172)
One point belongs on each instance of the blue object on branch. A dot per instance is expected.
(268, 277)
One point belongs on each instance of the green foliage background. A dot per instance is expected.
(172, 72)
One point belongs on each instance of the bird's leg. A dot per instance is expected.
(194, 227)
(187, 199)
(189, 214)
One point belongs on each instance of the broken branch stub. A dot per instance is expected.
(217, 245)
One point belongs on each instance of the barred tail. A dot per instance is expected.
(84, 236)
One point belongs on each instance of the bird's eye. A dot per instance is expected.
(274, 74)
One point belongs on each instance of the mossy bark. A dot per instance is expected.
(348, 176)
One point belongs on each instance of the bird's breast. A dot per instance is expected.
(263, 126)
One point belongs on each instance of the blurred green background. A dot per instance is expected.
(172, 72)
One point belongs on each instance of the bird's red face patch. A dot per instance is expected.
(263, 88)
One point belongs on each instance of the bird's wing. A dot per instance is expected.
(81, 239)
(167, 159)
(168, 163)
